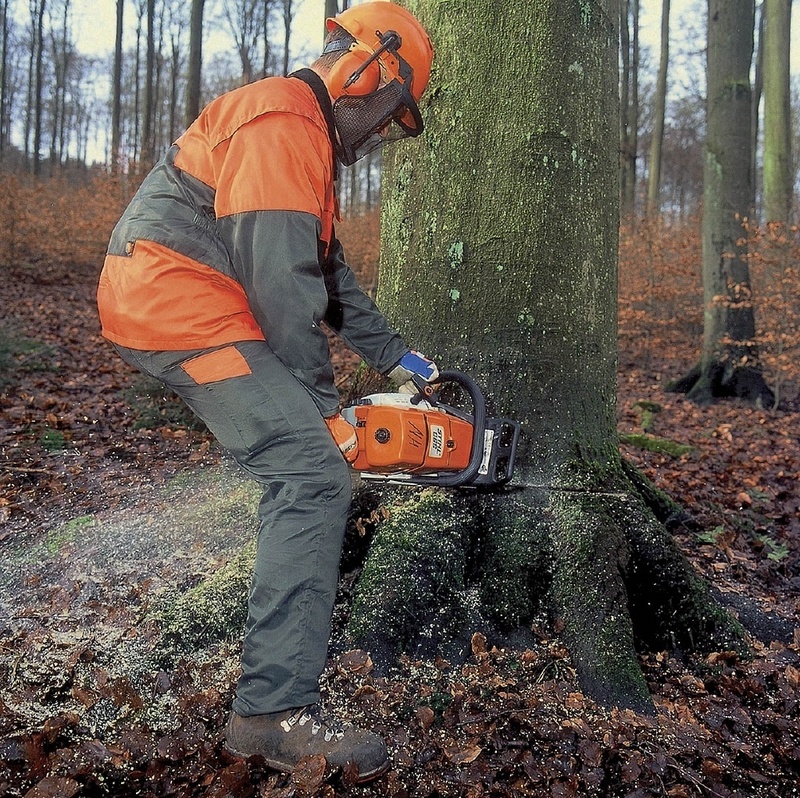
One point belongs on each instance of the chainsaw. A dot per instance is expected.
(418, 440)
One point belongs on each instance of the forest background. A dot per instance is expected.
(93, 456)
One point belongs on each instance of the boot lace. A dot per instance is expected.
(330, 727)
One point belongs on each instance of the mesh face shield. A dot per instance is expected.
(365, 123)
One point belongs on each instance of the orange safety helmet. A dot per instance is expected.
(382, 75)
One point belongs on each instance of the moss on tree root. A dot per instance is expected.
(413, 596)
(213, 610)
(447, 564)
(589, 598)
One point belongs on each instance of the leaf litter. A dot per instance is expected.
(101, 519)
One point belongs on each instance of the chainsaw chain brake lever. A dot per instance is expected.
(426, 392)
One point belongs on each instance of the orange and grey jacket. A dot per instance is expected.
(231, 238)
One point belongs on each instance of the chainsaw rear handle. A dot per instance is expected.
(427, 392)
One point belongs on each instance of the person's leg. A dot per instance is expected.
(270, 424)
(261, 414)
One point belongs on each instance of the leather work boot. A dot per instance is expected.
(284, 738)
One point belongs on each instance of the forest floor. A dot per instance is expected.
(104, 493)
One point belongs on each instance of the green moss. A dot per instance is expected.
(212, 611)
(53, 440)
(514, 575)
(671, 606)
(652, 443)
(589, 595)
(64, 534)
(414, 579)
(647, 413)
(665, 509)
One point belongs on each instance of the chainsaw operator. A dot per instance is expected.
(218, 280)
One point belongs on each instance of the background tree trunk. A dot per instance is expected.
(498, 258)
(758, 87)
(195, 63)
(116, 93)
(38, 84)
(729, 361)
(659, 114)
(288, 16)
(629, 94)
(61, 52)
(778, 174)
(148, 123)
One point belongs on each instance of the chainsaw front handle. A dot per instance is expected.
(467, 475)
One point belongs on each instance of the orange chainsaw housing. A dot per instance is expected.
(393, 439)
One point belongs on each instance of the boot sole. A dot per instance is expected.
(285, 767)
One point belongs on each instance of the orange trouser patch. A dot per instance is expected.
(221, 364)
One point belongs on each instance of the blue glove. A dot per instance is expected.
(411, 364)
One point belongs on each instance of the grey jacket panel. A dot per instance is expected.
(275, 255)
(176, 210)
(356, 319)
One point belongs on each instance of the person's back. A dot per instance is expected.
(174, 277)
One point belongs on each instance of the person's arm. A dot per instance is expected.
(353, 316)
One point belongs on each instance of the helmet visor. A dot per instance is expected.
(391, 112)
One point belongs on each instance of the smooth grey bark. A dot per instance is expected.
(659, 113)
(116, 92)
(729, 361)
(499, 252)
(777, 112)
(37, 64)
(5, 63)
(195, 66)
(288, 16)
(629, 104)
(148, 122)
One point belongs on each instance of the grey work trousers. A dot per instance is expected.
(269, 423)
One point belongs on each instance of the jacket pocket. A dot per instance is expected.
(221, 364)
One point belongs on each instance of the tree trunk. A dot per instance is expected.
(174, 76)
(659, 112)
(4, 67)
(116, 93)
(498, 258)
(729, 362)
(148, 123)
(288, 16)
(629, 94)
(267, 48)
(195, 63)
(755, 105)
(777, 112)
(38, 88)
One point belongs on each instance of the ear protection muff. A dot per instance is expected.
(357, 73)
